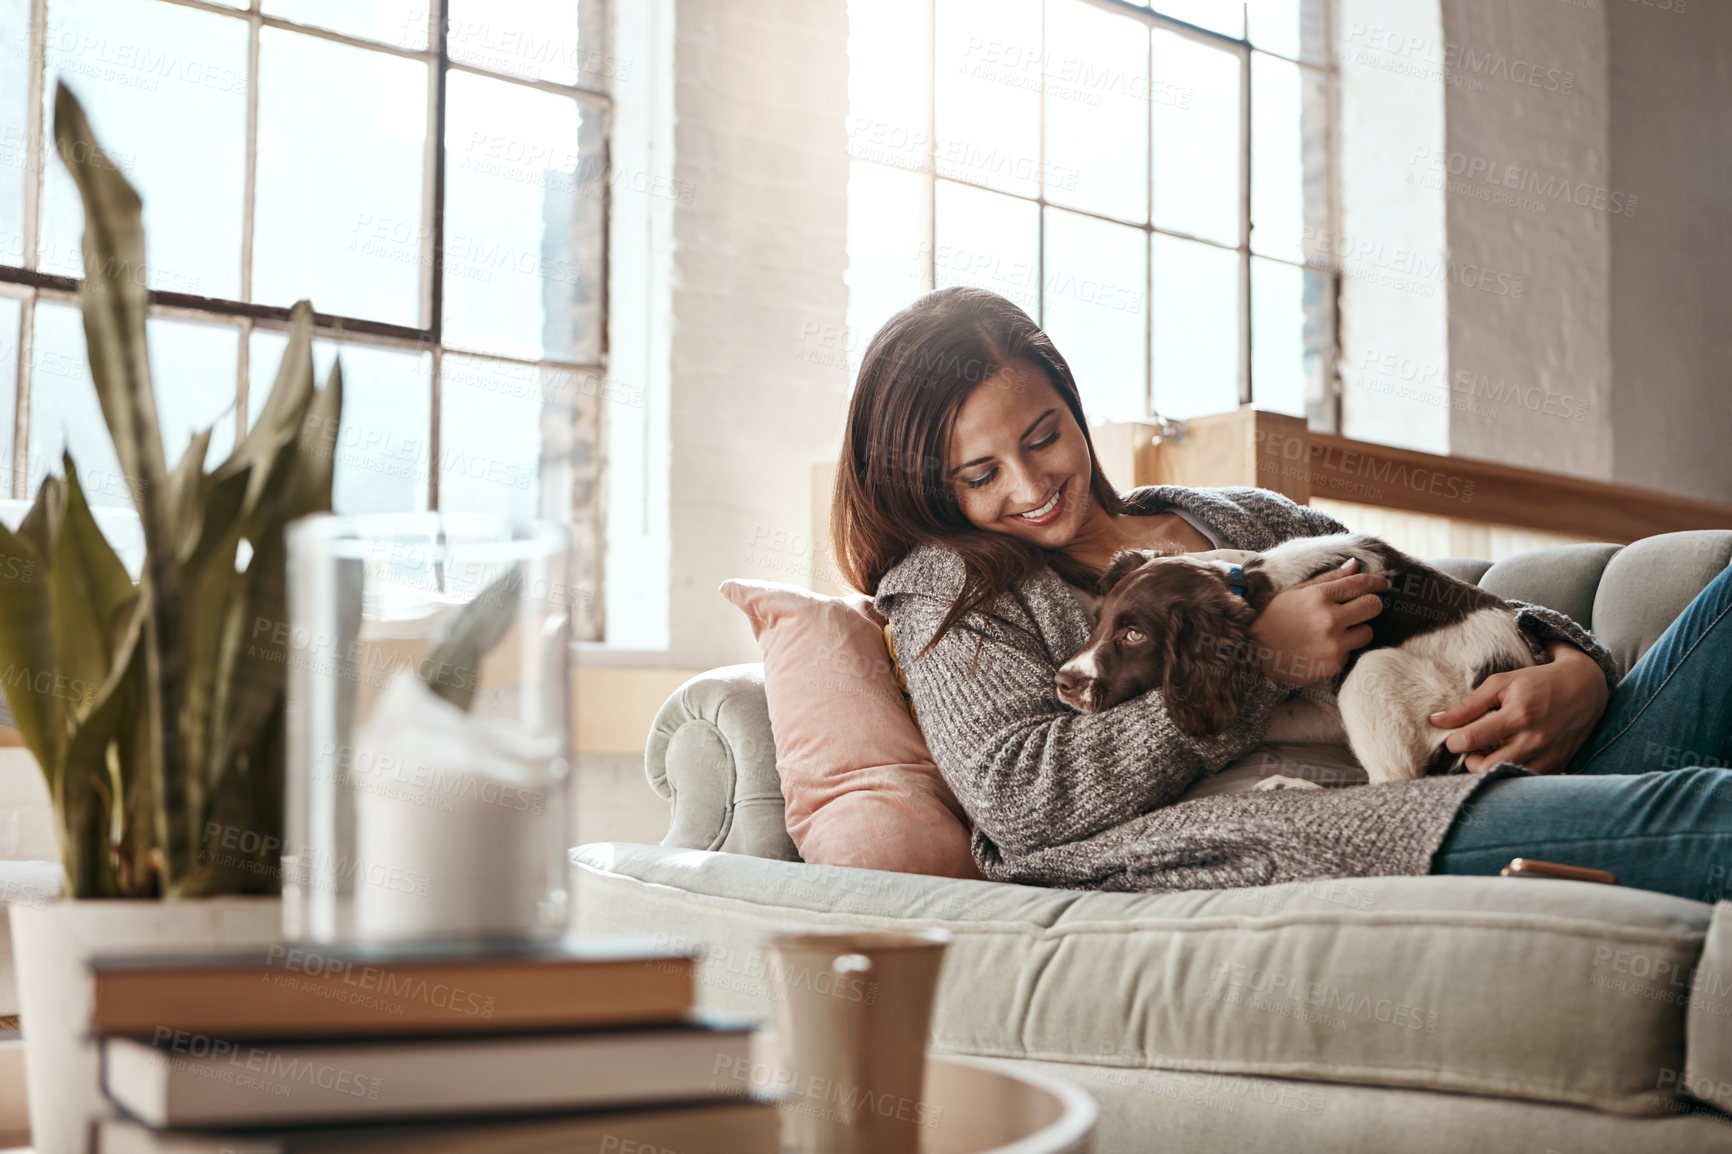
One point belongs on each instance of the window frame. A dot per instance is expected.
(28, 285)
(1322, 413)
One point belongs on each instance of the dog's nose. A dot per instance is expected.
(1070, 683)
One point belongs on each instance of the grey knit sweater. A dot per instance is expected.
(1091, 800)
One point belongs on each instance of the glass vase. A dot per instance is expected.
(428, 728)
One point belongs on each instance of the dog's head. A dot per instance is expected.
(1167, 622)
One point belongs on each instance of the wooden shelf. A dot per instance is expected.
(1274, 451)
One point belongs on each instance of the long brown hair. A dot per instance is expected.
(893, 490)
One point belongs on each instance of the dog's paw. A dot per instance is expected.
(1280, 782)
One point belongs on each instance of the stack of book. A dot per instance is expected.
(583, 1045)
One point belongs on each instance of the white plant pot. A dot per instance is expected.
(51, 944)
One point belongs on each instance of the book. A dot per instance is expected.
(743, 1127)
(198, 1082)
(294, 991)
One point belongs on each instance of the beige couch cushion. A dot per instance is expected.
(1707, 1072)
(1511, 987)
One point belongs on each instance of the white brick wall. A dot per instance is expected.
(26, 819)
(1526, 141)
(759, 254)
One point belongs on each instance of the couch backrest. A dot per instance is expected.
(712, 755)
(1626, 594)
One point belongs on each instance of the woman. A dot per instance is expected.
(969, 503)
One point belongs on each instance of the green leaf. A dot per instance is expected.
(256, 663)
(27, 647)
(116, 298)
(115, 301)
(84, 791)
(453, 669)
(34, 527)
(186, 486)
(281, 418)
(86, 580)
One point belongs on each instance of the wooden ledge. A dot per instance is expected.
(1275, 451)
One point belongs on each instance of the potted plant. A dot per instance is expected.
(160, 734)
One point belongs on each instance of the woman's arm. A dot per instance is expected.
(1537, 717)
(1031, 772)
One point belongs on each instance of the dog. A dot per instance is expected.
(1181, 623)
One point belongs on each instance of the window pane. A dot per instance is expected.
(1293, 28)
(1097, 110)
(165, 88)
(1096, 305)
(1196, 145)
(399, 22)
(505, 434)
(382, 443)
(10, 311)
(64, 412)
(519, 198)
(1274, 25)
(1289, 160)
(1291, 330)
(887, 251)
(890, 82)
(989, 241)
(192, 369)
(1224, 16)
(538, 39)
(14, 134)
(1196, 329)
(339, 222)
(987, 92)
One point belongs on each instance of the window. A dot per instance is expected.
(432, 177)
(1153, 185)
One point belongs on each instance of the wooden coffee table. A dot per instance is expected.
(980, 1106)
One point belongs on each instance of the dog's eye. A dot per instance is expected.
(1132, 636)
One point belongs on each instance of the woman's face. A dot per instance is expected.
(1019, 463)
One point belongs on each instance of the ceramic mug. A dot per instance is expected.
(852, 1015)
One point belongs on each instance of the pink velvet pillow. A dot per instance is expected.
(860, 785)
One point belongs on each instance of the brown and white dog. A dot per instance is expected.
(1181, 623)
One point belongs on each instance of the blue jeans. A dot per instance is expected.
(1649, 796)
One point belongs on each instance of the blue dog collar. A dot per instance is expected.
(1236, 579)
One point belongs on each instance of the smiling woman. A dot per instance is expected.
(970, 505)
(967, 429)
(938, 384)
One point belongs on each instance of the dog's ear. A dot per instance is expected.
(1124, 562)
(1206, 672)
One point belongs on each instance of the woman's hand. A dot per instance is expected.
(1306, 632)
(1536, 717)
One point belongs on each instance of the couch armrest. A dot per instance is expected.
(711, 755)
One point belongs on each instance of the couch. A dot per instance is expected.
(1365, 1014)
